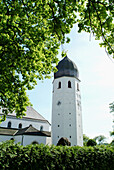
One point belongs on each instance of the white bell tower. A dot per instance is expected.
(66, 104)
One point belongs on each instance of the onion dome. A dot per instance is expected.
(67, 68)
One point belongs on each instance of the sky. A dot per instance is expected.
(96, 72)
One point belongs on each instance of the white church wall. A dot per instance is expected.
(48, 141)
(64, 115)
(18, 139)
(79, 118)
(25, 122)
(27, 140)
(5, 138)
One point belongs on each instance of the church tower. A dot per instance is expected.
(66, 104)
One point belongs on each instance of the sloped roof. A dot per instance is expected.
(30, 130)
(7, 131)
(31, 113)
(26, 130)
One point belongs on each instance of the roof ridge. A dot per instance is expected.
(36, 111)
(31, 113)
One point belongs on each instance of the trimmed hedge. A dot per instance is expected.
(41, 157)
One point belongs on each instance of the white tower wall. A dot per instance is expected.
(66, 111)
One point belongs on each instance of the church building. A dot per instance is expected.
(66, 104)
(31, 128)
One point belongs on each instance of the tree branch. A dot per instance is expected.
(101, 26)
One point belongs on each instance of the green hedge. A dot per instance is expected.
(41, 157)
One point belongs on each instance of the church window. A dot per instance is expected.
(58, 103)
(58, 125)
(58, 136)
(69, 124)
(69, 113)
(59, 85)
(77, 86)
(20, 125)
(69, 84)
(9, 124)
(41, 128)
(78, 105)
(70, 136)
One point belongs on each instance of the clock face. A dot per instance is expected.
(58, 103)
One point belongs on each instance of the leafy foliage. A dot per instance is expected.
(30, 36)
(112, 133)
(13, 156)
(31, 32)
(91, 142)
(85, 139)
(112, 111)
(111, 107)
(100, 139)
(112, 142)
(97, 18)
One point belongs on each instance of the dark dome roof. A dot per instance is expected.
(66, 67)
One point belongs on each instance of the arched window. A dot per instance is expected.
(59, 85)
(11, 139)
(9, 124)
(34, 142)
(77, 86)
(41, 128)
(20, 125)
(69, 84)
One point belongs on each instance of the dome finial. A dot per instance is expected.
(66, 67)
